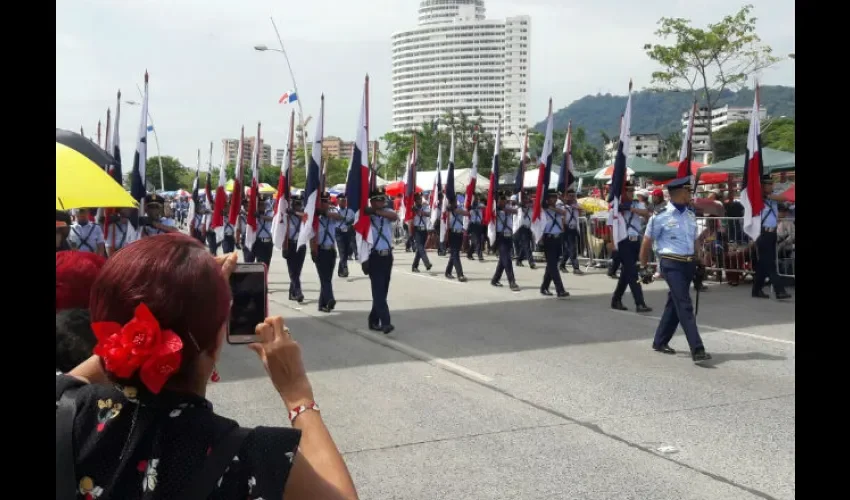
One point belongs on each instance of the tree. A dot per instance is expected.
(585, 155)
(673, 146)
(175, 175)
(731, 141)
(709, 61)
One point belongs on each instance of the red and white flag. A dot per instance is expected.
(220, 200)
(280, 224)
(236, 195)
(357, 185)
(434, 202)
(489, 215)
(251, 219)
(473, 172)
(538, 222)
(751, 194)
(686, 153)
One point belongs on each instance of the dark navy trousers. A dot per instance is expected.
(629, 251)
(552, 251)
(505, 264)
(455, 242)
(380, 270)
(419, 237)
(679, 308)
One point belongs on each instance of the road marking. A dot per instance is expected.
(435, 278)
(721, 330)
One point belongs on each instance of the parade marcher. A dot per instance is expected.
(196, 225)
(344, 235)
(675, 236)
(629, 249)
(553, 217)
(153, 223)
(228, 241)
(454, 235)
(182, 211)
(263, 246)
(437, 226)
(766, 244)
(294, 256)
(63, 229)
(323, 251)
(120, 232)
(504, 242)
(380, 262)
(523, 236)
(242, 229)
(85, 235)
(571, 234)
(421, 216)
(476, 229)
(211, 240)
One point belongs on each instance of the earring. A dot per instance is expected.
(214, 377)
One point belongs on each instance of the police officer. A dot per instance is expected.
(380, 262)
(87, 236)
(504, 241)
(454, 234)
(475, 229)
(120, 232)
(294, 256)
(153, 223)
(675, 235)
(263, 246)
(421, 216)
(344, 235)
(323, 252)
(571, 234)
(766, 244)
(553, 218)
(629, 250)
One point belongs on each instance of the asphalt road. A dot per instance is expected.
(481, 393)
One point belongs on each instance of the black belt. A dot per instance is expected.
(634, 238)
(264, 240)
(769, 229)
(457, 231)
(382, 253)
(327, 247)
(679, 258)
(550, 235)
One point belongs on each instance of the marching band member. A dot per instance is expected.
(476, 229)
(629, 250)
(85, 235)
(294, 256)
(344, 235)
(380, 260)
(525, 246)
(554, 217)
(421, 216)
(228, 242)
(504, 242)
(120, 232)
(324, 252)
(263, 246)
(455, 236)
(571, 233)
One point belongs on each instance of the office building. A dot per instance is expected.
(720, 118)
(231, 151)
(648, 146)
(458, 60)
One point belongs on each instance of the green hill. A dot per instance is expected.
(658, 112)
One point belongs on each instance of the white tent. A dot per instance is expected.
(425, 180)
(529, 180)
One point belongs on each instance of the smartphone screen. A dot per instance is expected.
(248, 288)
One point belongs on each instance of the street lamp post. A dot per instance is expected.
(282, 50)
(155, 138)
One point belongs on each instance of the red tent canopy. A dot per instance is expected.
(712, 178)
(791, 193)
(397, 188)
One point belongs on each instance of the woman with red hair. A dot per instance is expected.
(75, 275)
(135, 413)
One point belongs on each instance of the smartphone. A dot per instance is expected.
(249, 289)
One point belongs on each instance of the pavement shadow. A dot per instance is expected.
(723, 357)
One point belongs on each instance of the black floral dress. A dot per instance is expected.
(131, 445)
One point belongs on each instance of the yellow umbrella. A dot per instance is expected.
(264, 188)
(80, 183)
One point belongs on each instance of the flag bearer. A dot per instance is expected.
(228, 242)
(324, 252)
(153, 222)
(381, 260)
(421, 216)
(212, 241)
(120, 232)
(629, 251)
(263, 246)
(196, 225)
(87, 236)
(766, 244)
(454, 234)
(525, 247)
(476, 229)
(675, 235)
(294, 256)
(344, 235)
(504, 242)
(571, 232)
(553, 217)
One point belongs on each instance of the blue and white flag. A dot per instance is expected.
(311, 191)
(288, 97)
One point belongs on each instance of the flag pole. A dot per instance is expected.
(297, 101)
(156, 141)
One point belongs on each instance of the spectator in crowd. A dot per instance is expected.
(63, 228)
(787, 238)
(142, 426)
(75, 274)
(74, 339)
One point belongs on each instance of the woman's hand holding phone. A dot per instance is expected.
(281, 356)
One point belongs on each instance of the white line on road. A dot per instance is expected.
(721, 330)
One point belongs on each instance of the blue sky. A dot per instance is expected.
(207, 81)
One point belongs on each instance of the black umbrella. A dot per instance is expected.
(85, 147)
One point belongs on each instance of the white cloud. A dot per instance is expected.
(207, 81)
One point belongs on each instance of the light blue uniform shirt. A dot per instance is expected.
(421, 221)
(673, 232)
(327, 230)
(504, 223)
(294, 227)
(475, 216)
(347, 215)
(382, 233)
(526, 217)
(153, 231)
(264, 227)
(553, 222)
(455, 222)
(572, 216)
(769, 214)
(633, 220)
(86, 237)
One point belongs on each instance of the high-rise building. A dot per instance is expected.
(231, 150)
(720, 118)
(458, 60)
(648, 146)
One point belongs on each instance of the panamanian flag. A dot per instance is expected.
(314, 179)
(489, 216)
(544, 169)
(138, 182)
(618, 176)
(288, 97)
(751, 193)
(358, 183)
(567, 176)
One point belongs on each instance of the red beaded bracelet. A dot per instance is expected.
(293, 413)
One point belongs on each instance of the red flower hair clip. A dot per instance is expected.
(139, 345)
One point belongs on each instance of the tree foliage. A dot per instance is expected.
(175, 175)
(709, 61)
(731, 141)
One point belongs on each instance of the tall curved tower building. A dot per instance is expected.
(456, 59)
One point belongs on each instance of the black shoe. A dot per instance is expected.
(532, 265)
(324, 309)
(545, 291)
(664, 349)
(462, 279)
(563, 269)
(578, 272)
(700, 355)
(300, 298)
(376, 328)
(613, 275)
(760, 295)
(344, 273)
(414, 269)
(387, 329)
(292, 297)
(480, 259)
(427, 267)
(332, 304)
(450, 276)
(563, 294)
(643, 308)
(495, 283)
(514, 286)
(783, 296)
(470, 257)
(519, 264)
(618, 305)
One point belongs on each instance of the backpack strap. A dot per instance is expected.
(222, 455)
(66, 480)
